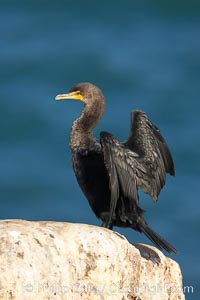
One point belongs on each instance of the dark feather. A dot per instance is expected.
(154, 155)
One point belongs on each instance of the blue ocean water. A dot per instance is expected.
(142, 55)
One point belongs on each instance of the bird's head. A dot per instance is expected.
(85, 92)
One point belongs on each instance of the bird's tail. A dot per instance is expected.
(161, 243)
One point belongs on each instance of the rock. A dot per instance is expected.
(54, 260)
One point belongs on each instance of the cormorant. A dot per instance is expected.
(110, 172)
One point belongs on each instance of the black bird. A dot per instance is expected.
(110, 172)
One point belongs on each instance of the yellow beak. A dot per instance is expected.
(70, 96)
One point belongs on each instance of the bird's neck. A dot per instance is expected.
(81, 136)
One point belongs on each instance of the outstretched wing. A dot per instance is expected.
(124, 171)
(142, 161)
(146, 140)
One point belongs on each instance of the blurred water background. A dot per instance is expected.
(142, 54)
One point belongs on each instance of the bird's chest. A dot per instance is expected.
(92, 177)
(88, 167)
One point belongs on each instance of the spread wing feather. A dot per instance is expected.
(146, 140)
(141, 161)
(123, 170)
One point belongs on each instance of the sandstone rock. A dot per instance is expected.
(53, 260)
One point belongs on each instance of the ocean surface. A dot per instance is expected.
(143, 55)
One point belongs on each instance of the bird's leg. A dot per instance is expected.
(107, 224)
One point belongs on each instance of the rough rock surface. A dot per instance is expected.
(52, 260)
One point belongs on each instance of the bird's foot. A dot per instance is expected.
(107, 224)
